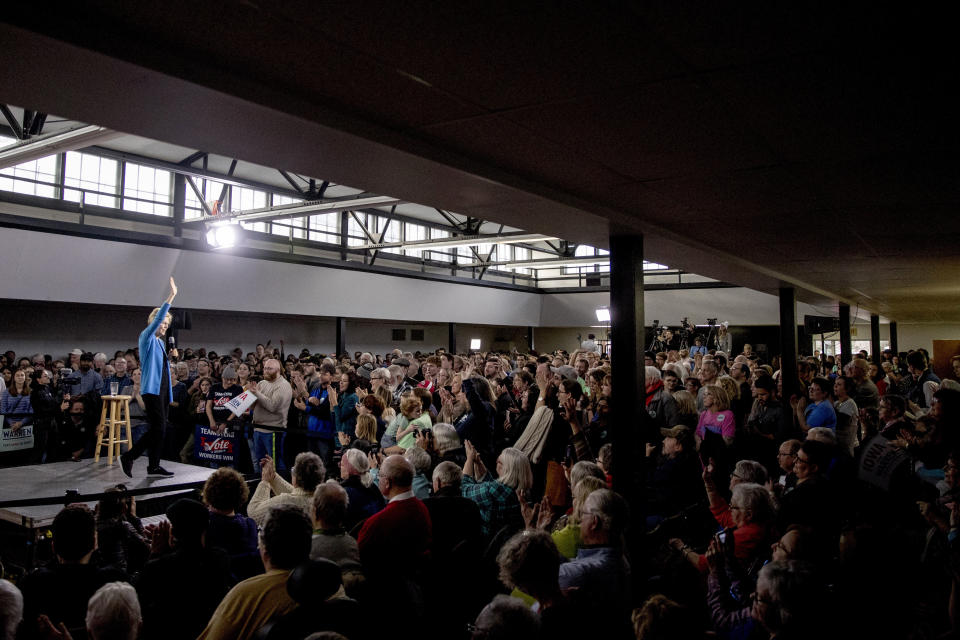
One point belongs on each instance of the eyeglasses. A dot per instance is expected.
(786, 455)
(734, 507)
(803, 460)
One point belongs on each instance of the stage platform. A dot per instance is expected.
(87, 478)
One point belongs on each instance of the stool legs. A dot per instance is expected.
(101, 428)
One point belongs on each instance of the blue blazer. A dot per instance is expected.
(151, 356)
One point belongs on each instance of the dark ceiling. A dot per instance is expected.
(762, 143)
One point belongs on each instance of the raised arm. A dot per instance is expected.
(173, 291)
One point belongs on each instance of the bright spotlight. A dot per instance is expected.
(224, 236)
(475, 344)
(603, 314)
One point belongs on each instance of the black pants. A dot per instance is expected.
(156, 408)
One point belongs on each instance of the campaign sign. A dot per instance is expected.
(16, 440)
(880, 460)
(219, 448)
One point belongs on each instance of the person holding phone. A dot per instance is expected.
(156, 388)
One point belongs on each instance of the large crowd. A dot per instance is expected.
(449, 496)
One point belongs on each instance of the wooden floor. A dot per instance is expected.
(84, 477)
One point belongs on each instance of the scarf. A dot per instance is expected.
(652, 390)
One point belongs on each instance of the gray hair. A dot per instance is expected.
(448, 474)
(330, 502)
(358, 460)
(825, 435)
(584, 469)
(611, 511)
(419, 458)
(308, 470)
(750, 471)
(516, 469)
(507, 618)
(397, 374)
(398, 471)
(11, 609)
(445, 437)
(793, 593)
(679, 371)
(752, 497)
(113, 613)
(652, 373)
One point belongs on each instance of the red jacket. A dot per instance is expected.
(396, 539)
(748, 540)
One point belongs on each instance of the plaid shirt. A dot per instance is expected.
(498, 503)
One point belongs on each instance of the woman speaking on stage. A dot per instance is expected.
(155, 388)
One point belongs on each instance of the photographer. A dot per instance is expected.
(46, 412)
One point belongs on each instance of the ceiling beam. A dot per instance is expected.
(462, 241)
(286, 176)
(296, 210)
(12, 121)
(36, 148)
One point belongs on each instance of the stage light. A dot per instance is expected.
(474, 344)
(223, 236)
(603, 314)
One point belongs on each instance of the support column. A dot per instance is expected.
(451, 337)
(846, 348)
(344, 236)
(788, 341)
(628, 416)
(875, 339)
(179, 203)
(893, 337)
(341, 347)
(530, 346)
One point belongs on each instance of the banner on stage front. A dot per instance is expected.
(16, 439)
(210, 446)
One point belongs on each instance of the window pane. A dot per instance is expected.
(96, 176)
(413, 232)
(325, 227)
(147, 190)
(443, 255)
(42, 170)
(521, 253)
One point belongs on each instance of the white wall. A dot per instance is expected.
(29, 327)
(119, 273)
(915, 336)
(736, 305)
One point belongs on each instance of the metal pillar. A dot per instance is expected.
(788, 341)
(875, 339)
(451, 337)
(628, 415)
(341, 347)
(179, 203)
(530, 346)
(846, 349)
(893, 337)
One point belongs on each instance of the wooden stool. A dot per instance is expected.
(114, 416)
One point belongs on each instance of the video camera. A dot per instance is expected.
(68, 379)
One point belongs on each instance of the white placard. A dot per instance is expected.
(879, 460)
(18, 440)
(241, 403)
